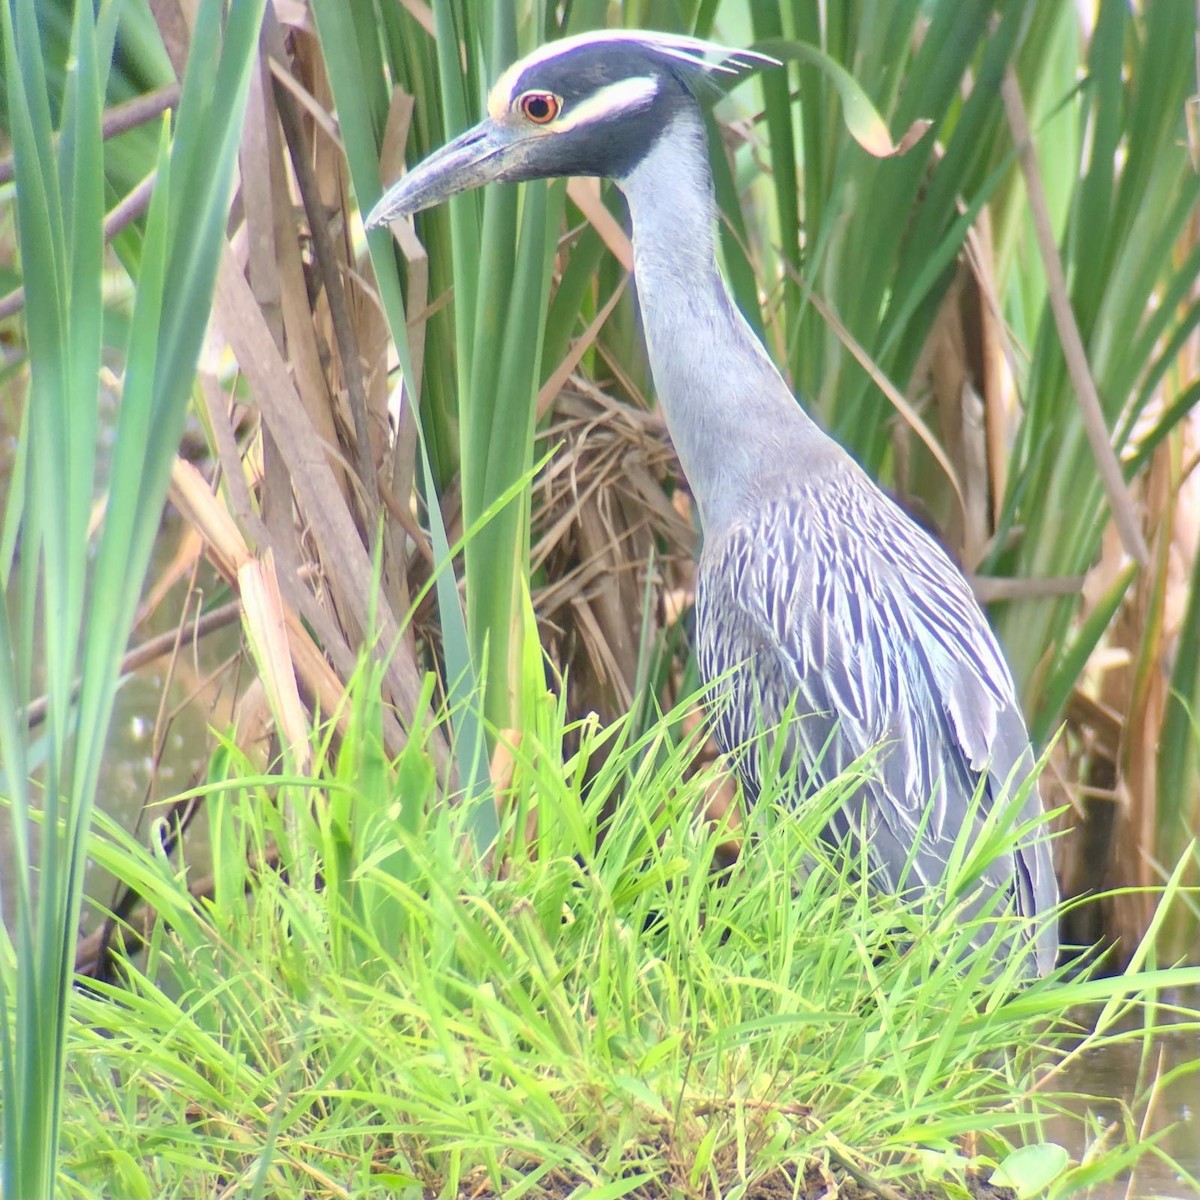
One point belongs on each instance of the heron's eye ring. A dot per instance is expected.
(540, 107)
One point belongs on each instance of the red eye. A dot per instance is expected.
(540, 107)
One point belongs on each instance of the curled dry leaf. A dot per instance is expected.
(862, 118)
(908, 139)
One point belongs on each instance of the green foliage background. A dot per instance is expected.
(907, 298)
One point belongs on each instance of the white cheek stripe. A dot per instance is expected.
(607, 102)
(616, 98)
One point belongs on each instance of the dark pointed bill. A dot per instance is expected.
(484, 154)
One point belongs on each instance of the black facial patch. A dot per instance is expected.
(609, 147)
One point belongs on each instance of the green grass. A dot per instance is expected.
(383, 1016)
(599, 1009)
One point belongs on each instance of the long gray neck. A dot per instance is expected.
(738, 431)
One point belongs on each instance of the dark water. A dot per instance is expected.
(158, 740)
(1158, 1095)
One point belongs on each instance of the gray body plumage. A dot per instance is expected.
(829, 608)
(816, 595)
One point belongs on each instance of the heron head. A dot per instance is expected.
(587, 105)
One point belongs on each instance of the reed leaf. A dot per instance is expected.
(82, 600)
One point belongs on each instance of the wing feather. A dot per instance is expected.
(832, 600)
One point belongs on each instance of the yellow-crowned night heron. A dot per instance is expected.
(817, 598)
